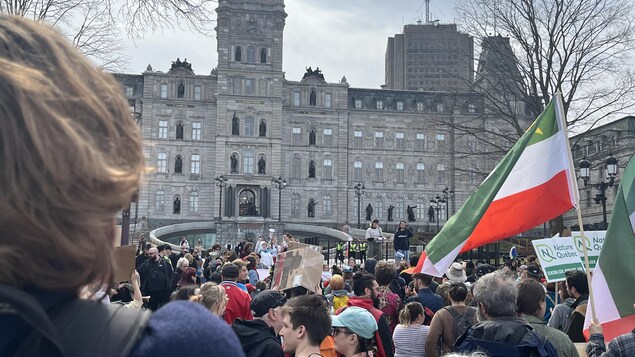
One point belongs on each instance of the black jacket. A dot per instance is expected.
(257, 338)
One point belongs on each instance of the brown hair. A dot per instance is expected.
(410, 312)
(385, 272)
(311, 312)
(337, 282)
(72, 158)
(530, 294)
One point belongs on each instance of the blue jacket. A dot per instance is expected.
(428, 299)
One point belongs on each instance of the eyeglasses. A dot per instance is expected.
(335, 331)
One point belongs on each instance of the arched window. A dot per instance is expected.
(247, 203)
(176, 205)
(235, 125)
(238, 54)
(312, 137)
(251, 54)
(379, 172)
(399, 172)
(193, 202)
(311, 169)
(195, 164)
(263, 55)
(178, 165)
(312, 97)
(162, 162)
(159, 201)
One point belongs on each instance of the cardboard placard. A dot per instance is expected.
(298, 267)
(124, 257)
(297, 245)
(263, 274)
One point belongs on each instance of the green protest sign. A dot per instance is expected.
(594, 241)
(556, 256)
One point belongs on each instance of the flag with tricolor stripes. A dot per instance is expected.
(614, 276)
(533, 183)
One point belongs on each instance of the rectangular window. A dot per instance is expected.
(196, 131)
(379, 104)
(440, 141)
(327, 206)
(358, 104)
(399, 141)
(164, 90)
(357, 141)
(379, 139)
(327, 100)
(163, 129)
(422, 209)
(296, 168)
(471, 144)
(357, 171)
(440, 107)
(296, 138)
(399, 173)
(162, 162)
(328, 170)
(471, 108)
(250, 86)
(197, 93)
(296, 99)
(159, 201)
(249, 126)
(379, 172)
(421, 174)
(194, 202)
(328, 137)
(248, 161)
(399, 105)
(421, 142)
(129, 91)
(420, 107)
(440, 174)
(379, 210)
(195, 165)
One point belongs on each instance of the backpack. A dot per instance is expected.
(428, 314)
(461, 322)
(533, 344)
(339, 301)
(74, 328)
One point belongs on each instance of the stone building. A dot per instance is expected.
(246, 122)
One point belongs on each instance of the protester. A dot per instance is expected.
(238, 304)
(531, 306)
(339, 296)
(578, 288)
(454, 274)
(533, 272)
(561, 312)
(259, 337)
(155, 276)
(389, 302)
(306, 324)
(252, 274)
(451, 322)
(620, 346)
(187, 278)
(402, 242)
(186, 293)
(181, 265)
(374, 233)
(366, 290)
(354, 331)
(425, 296)
(214, 298)
(410, 335)
(143, 257)
(72, 159)
(500, 332)
(243, 274)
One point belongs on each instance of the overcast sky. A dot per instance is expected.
(342, 37)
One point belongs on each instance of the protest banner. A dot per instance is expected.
(594, 241)
(298, 245)
(263, 274)
(298, 267)
(556, 256)
(124, 257)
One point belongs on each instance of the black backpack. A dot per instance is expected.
(533, 344)
(461, 322)
(75, 328)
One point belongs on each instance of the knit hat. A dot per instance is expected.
(265, 300)
(358, 320)
(230, 271)
(456, 273)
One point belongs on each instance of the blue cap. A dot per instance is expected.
(358, 320)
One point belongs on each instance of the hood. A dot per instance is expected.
(252, 332)
(341, 292)
(364, 303)
(509, 330)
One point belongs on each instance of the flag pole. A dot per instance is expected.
(576, 193)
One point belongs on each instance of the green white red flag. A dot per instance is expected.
(614, 276)
(533, 183)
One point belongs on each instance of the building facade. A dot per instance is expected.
(244, 121)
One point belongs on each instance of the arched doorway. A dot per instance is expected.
(247, 203)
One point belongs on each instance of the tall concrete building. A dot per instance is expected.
(248, 124)
(430, 57)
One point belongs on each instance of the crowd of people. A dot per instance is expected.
(73, 159)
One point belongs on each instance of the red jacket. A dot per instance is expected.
(382, 335)
(238, 303)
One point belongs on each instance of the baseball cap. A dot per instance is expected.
(356, 319)
(265, 300)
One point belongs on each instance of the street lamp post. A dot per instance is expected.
(610, 165)
(280, 183)
(221, 182)
(447, 196)
(359, 191)
(438, 206)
